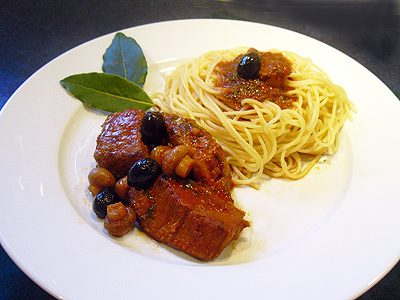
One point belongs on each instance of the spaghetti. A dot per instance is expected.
(261, 136)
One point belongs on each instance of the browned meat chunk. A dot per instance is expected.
(275, 68)
(269, 85)
(188, 216)
(196, 217)
(119, 144)
(209, 166)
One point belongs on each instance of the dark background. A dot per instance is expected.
(34, 32)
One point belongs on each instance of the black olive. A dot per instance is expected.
(153, 129)
(143, 173)
(249, 66)
(104, 198)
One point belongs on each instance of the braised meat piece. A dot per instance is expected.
(196, 216)
(188, 216)
(275, 69)
(209, 166)
(270, 84)
(119, 144)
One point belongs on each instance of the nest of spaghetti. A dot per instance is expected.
(274, 113)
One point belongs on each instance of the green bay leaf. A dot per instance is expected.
(106, 92)
(125, 58)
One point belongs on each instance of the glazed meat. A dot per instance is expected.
(188, 216)
(209, 166)
(119, 144)
(196, 216)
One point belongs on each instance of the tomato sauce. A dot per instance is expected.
(269, 85)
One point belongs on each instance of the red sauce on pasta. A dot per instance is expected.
(269, 85)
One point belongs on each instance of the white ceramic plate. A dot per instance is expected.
(331, 235)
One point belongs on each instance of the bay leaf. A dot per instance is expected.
(125, 58)
(106, 92)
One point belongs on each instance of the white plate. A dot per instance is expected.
(331, 235)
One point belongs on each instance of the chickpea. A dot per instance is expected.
(172, 159)
(184, 167)
(94, 189)
(159, 152)
(116, 212)
(120, 219)
(122, 188)
(101, 178)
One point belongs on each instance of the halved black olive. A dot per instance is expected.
(143, 173)
(249, 66)
(153, 129)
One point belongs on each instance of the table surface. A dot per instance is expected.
(34, 32)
